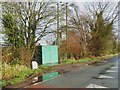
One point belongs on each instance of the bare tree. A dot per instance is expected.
(26, 23)
(34, 19)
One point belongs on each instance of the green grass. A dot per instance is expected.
(85, 60)
(20, 74)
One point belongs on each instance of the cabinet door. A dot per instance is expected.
(46, 55)
(54, 55)
(49, 55)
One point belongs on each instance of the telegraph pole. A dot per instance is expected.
(66, 19)
(57, 24)
(66, 30)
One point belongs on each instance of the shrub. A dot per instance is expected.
(26, 55)
(22, 55)
(7, 55)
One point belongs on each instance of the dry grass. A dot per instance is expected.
(21, 55)
(26, 55)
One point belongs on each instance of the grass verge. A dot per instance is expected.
(86, 60)
(18, 73)
(13, 74)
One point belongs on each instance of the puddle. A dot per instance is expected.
(46, 77)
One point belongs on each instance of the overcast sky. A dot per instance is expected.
(88, 0)
(63, 0)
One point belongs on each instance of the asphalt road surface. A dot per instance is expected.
(100, 75)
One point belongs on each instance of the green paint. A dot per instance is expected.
(49, 55)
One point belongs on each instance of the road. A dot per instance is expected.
(100, 75)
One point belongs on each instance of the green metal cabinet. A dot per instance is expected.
(46, 55)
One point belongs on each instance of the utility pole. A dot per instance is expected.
(118, 27)
(66, 30)
(66, 19)
(57, 40)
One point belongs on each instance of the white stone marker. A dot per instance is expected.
(35, 66)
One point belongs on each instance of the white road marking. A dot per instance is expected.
(114, 67)
(111, 71)
(95, 86)
(103, 76)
